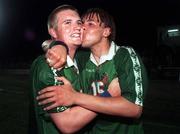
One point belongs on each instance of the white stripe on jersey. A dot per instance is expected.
(137, 75)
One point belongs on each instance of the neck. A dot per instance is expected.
(100, 49)
(72, 51)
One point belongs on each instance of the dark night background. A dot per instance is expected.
(23, 25)
(142, 24)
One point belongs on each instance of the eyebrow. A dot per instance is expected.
(79, 20)
(67, 20)
(71, 20)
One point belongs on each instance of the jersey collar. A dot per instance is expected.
(71, 63)
(109, 56)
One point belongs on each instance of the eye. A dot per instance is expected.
(79, 23)
(67, 22)
(90, 24)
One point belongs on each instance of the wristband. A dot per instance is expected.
(105, 94)
(54, 43)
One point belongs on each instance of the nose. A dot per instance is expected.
(78, 27)
(83, 27)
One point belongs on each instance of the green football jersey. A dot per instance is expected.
(124, 63)
(43, 76)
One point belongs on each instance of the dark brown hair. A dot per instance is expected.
(104, 18)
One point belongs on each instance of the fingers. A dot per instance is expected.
(54, 60)
(50, 101)
(49, 95)
(59, 65)
(48, 61)
(46, 92)
(51, 58)
(48, 89)
(49, 54)
(51, 106)
(45, 95)
(47, 101)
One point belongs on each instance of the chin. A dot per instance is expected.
(85, 46)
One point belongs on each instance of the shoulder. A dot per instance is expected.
(39, 63)
(126, 56)
(40, 68)
(41, 74)
(39, 60)
(125, 50)
(123, 53)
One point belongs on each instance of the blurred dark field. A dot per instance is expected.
(161, 110)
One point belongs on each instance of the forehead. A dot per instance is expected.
(68, 14)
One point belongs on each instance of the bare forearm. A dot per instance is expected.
(73, 119)
(109, 105)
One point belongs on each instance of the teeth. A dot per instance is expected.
(75, 35)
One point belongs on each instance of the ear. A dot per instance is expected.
(52, 32)
(107, 32)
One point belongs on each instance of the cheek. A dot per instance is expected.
(67, 30)
(90, 36)
(65, 34)
(88, 40)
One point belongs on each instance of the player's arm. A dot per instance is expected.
(72, 119)
(119, 106)
(67, 121)
(56, 53)
(130, 103)
(108, 105)
(80, 116)
(123, 105)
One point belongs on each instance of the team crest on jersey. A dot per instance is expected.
(104, 78)
(90, 70)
